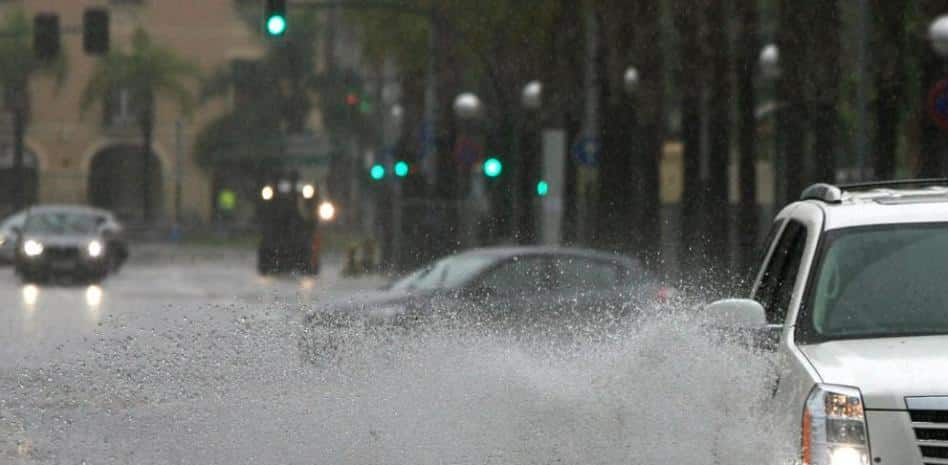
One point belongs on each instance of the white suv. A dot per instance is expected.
(855, 281)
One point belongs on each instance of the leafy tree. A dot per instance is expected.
(147, 72)
(18, 66)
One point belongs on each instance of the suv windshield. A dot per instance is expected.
(880, 282)
(60, 223)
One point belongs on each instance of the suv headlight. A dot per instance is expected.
(95, 249)
(834, 427)
(32, 248)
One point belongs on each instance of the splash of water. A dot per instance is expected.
(235, 390)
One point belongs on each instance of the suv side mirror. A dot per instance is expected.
(16, 231)
(738, 313)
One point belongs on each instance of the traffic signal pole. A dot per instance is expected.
(430, 14)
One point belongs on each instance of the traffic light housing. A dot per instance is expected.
(95, 31)
(46, 36)
(275, 18)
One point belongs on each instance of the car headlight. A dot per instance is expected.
(95, 249)
(834, 427)
(32, 248)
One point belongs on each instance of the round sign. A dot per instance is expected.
(938, 103)
(586, 150)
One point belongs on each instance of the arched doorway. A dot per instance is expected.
(116, 181)
(9, 175)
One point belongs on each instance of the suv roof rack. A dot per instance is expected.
(822, 191)
(830, 193)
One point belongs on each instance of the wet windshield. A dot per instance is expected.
(61, 223)
(882, 282)
(448, 273)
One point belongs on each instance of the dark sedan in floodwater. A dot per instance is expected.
(67, 241)
(549, 287)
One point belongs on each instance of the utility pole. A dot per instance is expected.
(588, 174)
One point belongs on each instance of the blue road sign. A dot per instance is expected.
(586, 150)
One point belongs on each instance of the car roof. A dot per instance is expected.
(513, 251)
(921, 201)
(68, 208)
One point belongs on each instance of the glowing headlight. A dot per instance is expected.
(308, 191)
(94, 249)
(327, 211)
(834, 427)
(32, 248)
(266, 193)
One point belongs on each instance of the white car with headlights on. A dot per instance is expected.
(853, 286)
(57, 242)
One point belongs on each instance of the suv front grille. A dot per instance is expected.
(62, 253)
(931, 435)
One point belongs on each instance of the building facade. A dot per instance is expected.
(96, 157)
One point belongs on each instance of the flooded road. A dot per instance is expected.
(197, 363)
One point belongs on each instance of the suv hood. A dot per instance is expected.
(886, 370)
(62, 240)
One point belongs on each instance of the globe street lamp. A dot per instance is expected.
(938, 35)
(630, 80)
(467, 106)
(770, 61)
(532, 97)
(397, 113)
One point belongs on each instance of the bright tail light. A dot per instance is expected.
(834, 427)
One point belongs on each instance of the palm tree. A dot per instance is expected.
(146, 72)
(18, 65)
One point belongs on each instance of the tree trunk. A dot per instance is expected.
(749, 216)
(692, 248)
(16, 97)
(791, 41)
(825, 45)
(890, 82)
(617, 228)
(19, 178)
(719, 141)
(650, 134)
(147, 126)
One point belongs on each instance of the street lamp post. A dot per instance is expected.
(528, 162)
(396, 113)
(467, 109)
(769, 63)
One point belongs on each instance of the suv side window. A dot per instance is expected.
(780, 274)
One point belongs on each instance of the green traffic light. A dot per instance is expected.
(493, 167)
(401, 169)
(377, 172)
(276, 25)
(543, 188)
